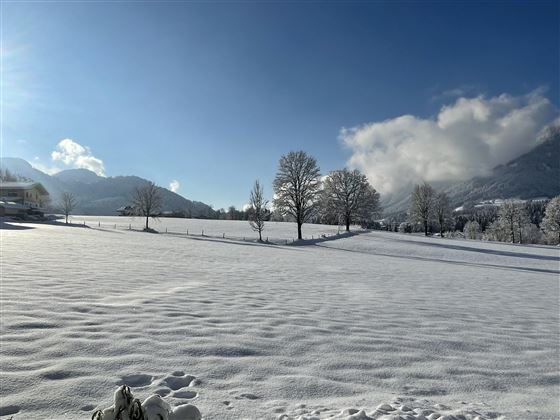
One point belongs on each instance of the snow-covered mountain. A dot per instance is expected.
(535, 174)
(98, 195)
(78, 175)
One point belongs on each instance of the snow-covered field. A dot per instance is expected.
(275, 231)
(249, 331)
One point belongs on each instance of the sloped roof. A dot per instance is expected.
(23, 186)
(12, 205)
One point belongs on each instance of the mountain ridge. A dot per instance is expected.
(97, 195)
(535, 174)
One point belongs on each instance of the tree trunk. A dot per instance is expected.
(66, 219)
(260, 236)
(425, 227)
(147, 218)
(347, 223)
(299, 230)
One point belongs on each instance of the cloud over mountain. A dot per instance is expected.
(73, 154)
(174, 185)
(467, 138)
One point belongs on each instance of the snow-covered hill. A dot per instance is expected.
(248, 331)
(99, 195)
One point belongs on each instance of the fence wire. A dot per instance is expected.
(200, 233)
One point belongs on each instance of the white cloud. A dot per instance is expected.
(467, 138)
(174, 185)
(73, 154)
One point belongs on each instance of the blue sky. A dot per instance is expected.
(212, 93)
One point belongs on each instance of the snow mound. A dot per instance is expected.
(398, 409)
(126, 407)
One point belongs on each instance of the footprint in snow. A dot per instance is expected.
(188, 395)
(176, 382)
(8, 410)
(162, 392)
(136, 380)
(247, 396)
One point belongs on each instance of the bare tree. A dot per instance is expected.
(442, 211)
(257, 210)
(232, 213)
(507, 218)
(472, 230)
(147, 201)
(7, 176)
(67, 204)
(551, 221)
(513, 218)
(349, 195)
(422, 205)
(521, 220)
(296, 186)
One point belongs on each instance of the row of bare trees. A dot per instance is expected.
(426, 206)
(514, 224)
(301, 195)
(512, 221)
(146, 200)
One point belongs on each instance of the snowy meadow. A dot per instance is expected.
(231, 229)
(399, 326)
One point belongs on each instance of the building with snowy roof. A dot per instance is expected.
(19, 198)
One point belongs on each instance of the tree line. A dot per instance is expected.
(301, 195)
(345, 197)
(511, 221)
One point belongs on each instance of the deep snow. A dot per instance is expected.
(249, 331)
